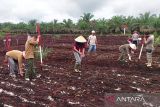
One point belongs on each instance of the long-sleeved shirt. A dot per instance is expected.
(125, 48)
(29, 48)
(16, 55)
(150, 42)
(79, 46)
(135, 36)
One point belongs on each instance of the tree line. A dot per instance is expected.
(86, 23)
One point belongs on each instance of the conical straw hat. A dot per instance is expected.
(80, 39)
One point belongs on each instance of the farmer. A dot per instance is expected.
(135, 37)
(125, 50)
(92, 41)
(15, 59)
(29, 52)
(78, 51)
(149, 42)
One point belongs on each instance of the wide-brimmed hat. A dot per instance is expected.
(133, 46)
(80, 39)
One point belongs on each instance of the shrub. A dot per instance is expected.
(2, 34)
(157, 38)
(45, 52)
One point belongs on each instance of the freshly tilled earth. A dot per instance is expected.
(57, 85)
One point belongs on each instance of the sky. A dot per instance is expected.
(47, 10)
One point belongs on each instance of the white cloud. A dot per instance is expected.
(128, 8)
(48, 10)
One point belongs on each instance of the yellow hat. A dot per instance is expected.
(80, 39)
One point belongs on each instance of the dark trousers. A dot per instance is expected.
(30, 69)
(135, 42)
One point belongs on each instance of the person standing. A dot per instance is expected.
(78, 51)
(15, 59)
(135, 37)
(126, 50)
(149, 42)
(29, 52)
(92, 42)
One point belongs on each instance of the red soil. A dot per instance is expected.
(57, 85)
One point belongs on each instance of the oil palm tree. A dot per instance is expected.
(87, 17)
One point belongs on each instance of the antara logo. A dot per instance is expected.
(119, 99)
(130, 99)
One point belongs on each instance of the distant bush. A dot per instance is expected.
(2, 34)
(157, 38)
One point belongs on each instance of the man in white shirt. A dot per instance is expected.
(92, 41)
